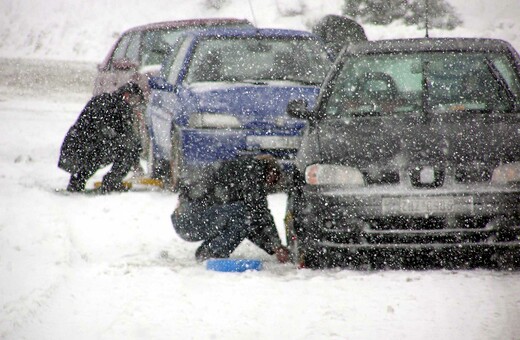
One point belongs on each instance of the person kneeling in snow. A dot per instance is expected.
(103, 134)
(228, 205)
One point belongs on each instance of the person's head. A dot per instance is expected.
(131, 93)
(273, 172)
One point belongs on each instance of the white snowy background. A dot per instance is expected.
(111, 267)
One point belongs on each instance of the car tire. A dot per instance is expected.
(175, 160)
(157, 168)
(292, 220)
(301, 254)
(506, 260)
(150, 160)
(292, 240)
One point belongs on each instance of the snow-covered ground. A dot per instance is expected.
(111, 267)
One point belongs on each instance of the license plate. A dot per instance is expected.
(427, 205)
(272, 142)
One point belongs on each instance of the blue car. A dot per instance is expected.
(223, 93)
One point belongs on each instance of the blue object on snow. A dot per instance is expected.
(233, 265)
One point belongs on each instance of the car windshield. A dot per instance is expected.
(436, 82)
(259, 59)
(156, 44)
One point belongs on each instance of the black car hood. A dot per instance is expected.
(440, 140)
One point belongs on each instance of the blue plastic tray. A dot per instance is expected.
(233, 265)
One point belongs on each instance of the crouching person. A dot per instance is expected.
(228, 205)
(103, 134)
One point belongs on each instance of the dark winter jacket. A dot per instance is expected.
(103, 127)
(242, 179)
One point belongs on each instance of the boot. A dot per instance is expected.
(108, 185)
(77, 182)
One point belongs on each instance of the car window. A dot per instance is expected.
(120, 51)
(175, 61)
(510, 76)
(156, 45)
(440, 82)
(132, 52)
(249, 59)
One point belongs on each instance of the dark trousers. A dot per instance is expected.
(221, 227)
(122, 159)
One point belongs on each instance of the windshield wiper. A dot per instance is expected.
(302, 81)
(266, 81)
(367, 113)
(246, 81)
(254, 81)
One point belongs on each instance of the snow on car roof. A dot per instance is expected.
(250, 32)
(430, 44)
(189, 23)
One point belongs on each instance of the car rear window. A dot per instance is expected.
(258, 59)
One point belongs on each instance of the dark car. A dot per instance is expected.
(223, 92)
(412, 157)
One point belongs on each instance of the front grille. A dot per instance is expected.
(469, 175)
(382, 178)
(428, 223)
(436, 176)
(405, 230)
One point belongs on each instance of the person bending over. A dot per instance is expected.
(103, 134)
(227, 205)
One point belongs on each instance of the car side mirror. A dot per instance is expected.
(297, 108)
(159, 83)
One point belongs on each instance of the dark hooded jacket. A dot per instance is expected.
(239, 180)
(242, 179)
(103, 127)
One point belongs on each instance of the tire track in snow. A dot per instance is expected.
(27, 307)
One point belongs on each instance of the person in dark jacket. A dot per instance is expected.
(103, 134)
(227, 205)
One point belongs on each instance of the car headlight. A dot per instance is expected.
(506, 173)
(322, 174)
(213, 121)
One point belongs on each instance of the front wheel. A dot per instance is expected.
(292, 241)
(175, 160)
(157, 168)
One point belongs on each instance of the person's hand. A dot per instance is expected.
(282, 254)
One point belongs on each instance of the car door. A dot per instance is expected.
(166, 106)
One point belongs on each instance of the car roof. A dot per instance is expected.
(430, 45)
(250, 32)
(189, 24)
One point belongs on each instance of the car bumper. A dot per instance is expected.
(484, 218)
(503, 256)
(206, 146)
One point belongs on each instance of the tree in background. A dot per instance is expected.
(214, 4)
(412, 12)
